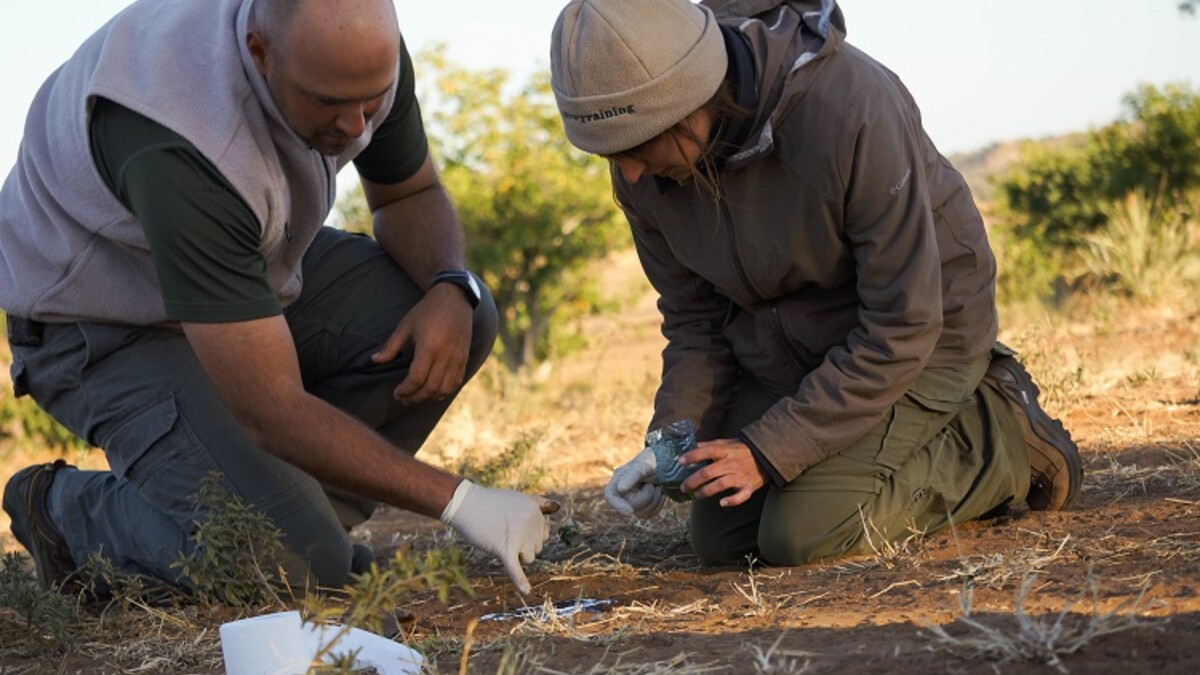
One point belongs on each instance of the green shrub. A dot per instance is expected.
(237, 550)
(515, 468)
(33, 621)
(1144, 251)
(1054, 223)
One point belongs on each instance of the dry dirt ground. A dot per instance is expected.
(1113, 587)
(1119, 577)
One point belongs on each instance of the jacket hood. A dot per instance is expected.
(789, 40)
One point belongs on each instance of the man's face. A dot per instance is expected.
(326, 95)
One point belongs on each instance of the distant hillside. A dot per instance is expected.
(978, 166)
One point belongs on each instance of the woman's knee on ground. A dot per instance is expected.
(716, 546)
(790, 542)
(718, 551)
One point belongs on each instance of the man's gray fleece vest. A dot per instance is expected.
(68, 249)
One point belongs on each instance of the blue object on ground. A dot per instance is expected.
(562, 608)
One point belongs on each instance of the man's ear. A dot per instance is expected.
(256, 42)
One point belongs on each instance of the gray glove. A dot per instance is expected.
(634, 490)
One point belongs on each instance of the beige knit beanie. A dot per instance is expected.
(624, 71)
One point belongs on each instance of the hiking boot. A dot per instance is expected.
(25, 502)
(1055, 467)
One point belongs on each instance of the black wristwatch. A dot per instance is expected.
(464, 280)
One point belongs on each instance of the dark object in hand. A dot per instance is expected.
(668, 443)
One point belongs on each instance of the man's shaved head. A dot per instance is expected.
(324, 20)
(328, 63)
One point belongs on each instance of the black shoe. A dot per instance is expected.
(25, 502)
(1054, 463)
(361, 558)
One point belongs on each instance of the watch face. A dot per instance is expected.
(474, 285)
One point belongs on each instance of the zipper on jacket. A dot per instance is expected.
(738, 267)
(744, 278)
(788, 347)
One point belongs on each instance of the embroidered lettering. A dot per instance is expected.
(899, 186)
(615, 111)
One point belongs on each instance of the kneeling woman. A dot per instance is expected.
(825, 280)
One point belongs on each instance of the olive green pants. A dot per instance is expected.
(950, 450)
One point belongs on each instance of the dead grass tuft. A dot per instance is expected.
(1172, 466)
(1023, 637)
(995, 570)
(628, 663)
(776, 661)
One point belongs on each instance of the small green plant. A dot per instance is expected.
(514, 468)
(236, 551)
(100, 582)
(1143, 377)
(33, 621)
(374, 595)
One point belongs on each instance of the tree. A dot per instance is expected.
(1059, 195)
(1059, 189)
(535, 210)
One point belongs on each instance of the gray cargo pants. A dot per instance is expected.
(142, 396)
(950, 450)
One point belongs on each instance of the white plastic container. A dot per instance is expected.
(280, 644)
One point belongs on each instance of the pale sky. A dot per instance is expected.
(981, 70)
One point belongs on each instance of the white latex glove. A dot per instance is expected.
(508, 524)
(634, 490)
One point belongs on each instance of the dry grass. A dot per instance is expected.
(1039, 639)
(580, 419)
(632, 663)
(996, 570)
(777, 661)
(1171, 466)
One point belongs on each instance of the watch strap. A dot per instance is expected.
(464, 280)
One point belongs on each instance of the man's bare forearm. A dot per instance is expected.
(338, 449)
(252, 365)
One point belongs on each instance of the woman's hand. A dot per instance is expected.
(733, 468)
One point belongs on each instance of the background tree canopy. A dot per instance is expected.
(535, 210)
(1112, 209)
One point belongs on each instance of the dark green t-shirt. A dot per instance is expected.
(203, 237)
